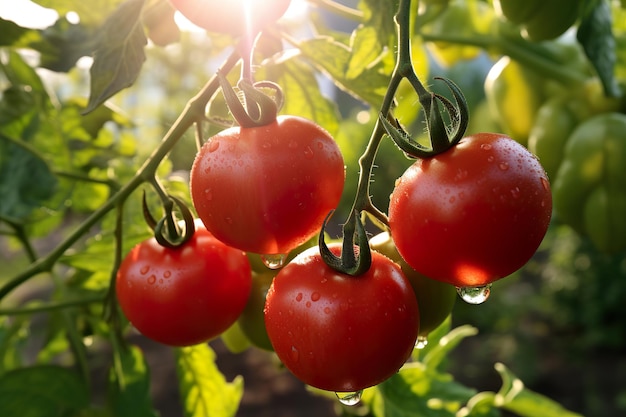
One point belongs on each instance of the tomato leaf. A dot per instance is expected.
(12, 32)
(204, 389)
(420, 391)
(119, 54)
(25, 180)
(595, 34)
(515, 397)
(46, 391)
(130, 397)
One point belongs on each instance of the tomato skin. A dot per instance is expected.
(337, 332)
(473, 214)
(435, 299)
(187, 295)
(229, 16)
(267, 189)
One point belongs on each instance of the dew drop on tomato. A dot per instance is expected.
(474, 295)
(349, 398)
(421, 342)
(274, 261)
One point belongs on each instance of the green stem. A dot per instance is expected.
(403, 68)
(193, 111)
(50, 306)
(339, 9)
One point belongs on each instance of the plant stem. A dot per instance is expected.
(339, 9)
(193, 111)
(50, 306)
(403, 68)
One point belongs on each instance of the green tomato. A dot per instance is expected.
(517, 11)
(551, 19)
(234, 339)
(590, 186)
(251, 321)
(435, 299)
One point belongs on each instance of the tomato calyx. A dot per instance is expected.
(254, 107)
(167, 230)
(356, 257)
(442, 136)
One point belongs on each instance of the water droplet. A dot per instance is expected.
(545, 183)
(452, 199)
(320, 145)
(327, 310)
(167, 274)
(228, 220)
(474, 295)
(515, 192)
(315, 296)
(208, 194)
(299, 297)
(144, 269)
(349, 398)
(491, 158)
(503, 166)
(294, 354)
(485, 147)
(308, 152)
(274, 261)
(213, 145)
(421, 342)
(151, 279)
(293, 144)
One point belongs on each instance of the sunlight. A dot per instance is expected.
(27, 14)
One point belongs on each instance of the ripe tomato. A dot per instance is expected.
(338, 332)
(187, 295)
(267, 189)
(473, 214)
(435, 299)
(232, 16)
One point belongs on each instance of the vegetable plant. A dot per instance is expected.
(210, 188)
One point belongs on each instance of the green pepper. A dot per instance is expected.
(589, 191)
(514, 93)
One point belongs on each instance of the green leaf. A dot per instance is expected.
(418, 391)
(42, 391)
(595, 34)
(333, 58)
(25, 180)
(62, 44)
(446, 344)
(130, 397)
(119, 54)
(204, 389)
(303, 95)
(380, 15)
(515, 397)
(12, 32)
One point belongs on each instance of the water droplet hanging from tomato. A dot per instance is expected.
(421, 342)
(349, 398)
(474, 295)
(274, 261)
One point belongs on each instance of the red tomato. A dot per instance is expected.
(473, 214)
(187, 295)
(267, 189)
(338, 332)
(233, 17)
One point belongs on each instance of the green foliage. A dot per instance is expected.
(203, 388)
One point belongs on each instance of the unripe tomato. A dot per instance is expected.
(186, 295)
(252, 322)
(435, 299)
(338, 332)
(234, 17)
(473, 214)
(267, 189)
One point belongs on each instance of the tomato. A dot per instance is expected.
(514, 93)
(435, 299)
(231, 16)
(589, 188)
(473, 214)
(338, 332)
(267, 189)
(252, 322)
(186, 295)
